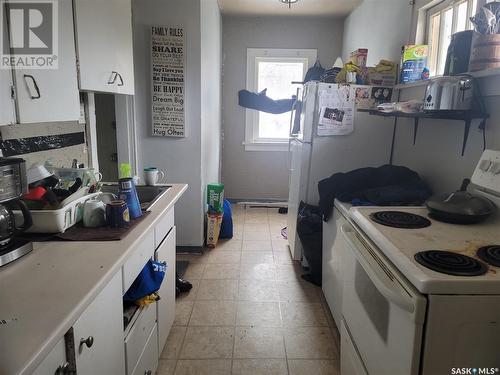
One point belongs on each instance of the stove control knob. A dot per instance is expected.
(484, 165)
(495, 168)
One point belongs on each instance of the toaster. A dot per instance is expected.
(450, 94)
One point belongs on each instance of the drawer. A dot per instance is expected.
(138, 336)
(163, 227)
(136, 262)
(149, 358)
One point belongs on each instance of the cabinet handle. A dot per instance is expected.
(88, 342)
(63, 369)
(148, 372)
(121, 79)
(112, 78)
(38, 96)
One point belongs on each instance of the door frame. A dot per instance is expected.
(126, 140)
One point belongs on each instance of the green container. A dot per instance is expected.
(215, 197)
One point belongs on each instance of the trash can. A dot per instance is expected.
(310, 230)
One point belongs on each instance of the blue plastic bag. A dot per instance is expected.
(147, 282)
(226, 228)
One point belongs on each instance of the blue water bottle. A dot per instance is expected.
(129, 195)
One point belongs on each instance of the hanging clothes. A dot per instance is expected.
(261, 102)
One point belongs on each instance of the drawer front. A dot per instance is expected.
(163, 227)
(55, 361)
(149, 358)
(166, 304)
(138, 336)
(136, 262)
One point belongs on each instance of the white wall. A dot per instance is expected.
(382, 26)
(437, 152)
(180, 158)
(211, 66)
(257, 174)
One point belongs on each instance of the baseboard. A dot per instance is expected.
(260, 202)
(189, 249)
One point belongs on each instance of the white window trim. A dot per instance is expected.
(434, 8)
(252, 143)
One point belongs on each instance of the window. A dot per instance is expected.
(443, 20)
(274, 70)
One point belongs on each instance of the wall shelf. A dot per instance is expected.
(465, 116)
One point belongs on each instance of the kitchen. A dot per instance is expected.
(150, 91)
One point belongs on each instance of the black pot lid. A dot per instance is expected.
(461, 203)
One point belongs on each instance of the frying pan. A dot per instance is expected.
(460, 207)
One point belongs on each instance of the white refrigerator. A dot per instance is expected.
(313, 158)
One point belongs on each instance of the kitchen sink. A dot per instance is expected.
(148, 195)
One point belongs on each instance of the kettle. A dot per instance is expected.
(8, 228)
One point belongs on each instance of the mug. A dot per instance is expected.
(94, 214)
(117, 215)
(153, 175)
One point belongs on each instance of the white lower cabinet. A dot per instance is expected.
(99, 333)
(166, 304)
(55, 363)
(148, 362)
(137, 337)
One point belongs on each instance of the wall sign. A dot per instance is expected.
(167, 81)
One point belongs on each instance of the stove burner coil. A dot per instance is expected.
(398, 219)
(451, 263)
(490, 254)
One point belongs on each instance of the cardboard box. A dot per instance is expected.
(413, 62)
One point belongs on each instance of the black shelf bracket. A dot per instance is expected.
(458, 115)
(466, 135)
(415, 130)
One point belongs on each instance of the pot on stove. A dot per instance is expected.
(460, 207)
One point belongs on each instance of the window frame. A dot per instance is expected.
(440, 8)
(254, 56)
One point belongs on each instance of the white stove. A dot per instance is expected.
(402, 317)
(401, 245)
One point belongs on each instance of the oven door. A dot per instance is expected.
(382, 311)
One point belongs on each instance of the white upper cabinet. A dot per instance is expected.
(7, 108)
(104, 45)
(49, 95)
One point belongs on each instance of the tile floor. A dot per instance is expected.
(249, 312)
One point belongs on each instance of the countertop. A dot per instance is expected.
(43, 293)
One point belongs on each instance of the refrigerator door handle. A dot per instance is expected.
(294, 110)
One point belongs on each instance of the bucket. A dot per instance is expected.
(485, 52)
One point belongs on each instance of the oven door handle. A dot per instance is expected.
(377, 275)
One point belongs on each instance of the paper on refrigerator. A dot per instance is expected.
(336, 111)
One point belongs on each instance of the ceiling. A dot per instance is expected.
(331, 8)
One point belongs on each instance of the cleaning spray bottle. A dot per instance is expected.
(128, 192)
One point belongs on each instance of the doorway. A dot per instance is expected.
(107, 150)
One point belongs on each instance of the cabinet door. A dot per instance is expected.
(7, 109)
(55, 362)
(104, 44)
(166, 304)
(46, 95)
(99, 333)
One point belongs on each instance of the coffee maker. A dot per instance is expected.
(13, 184)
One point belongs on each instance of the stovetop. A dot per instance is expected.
(401, 245)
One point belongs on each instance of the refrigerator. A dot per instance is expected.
(313, 157)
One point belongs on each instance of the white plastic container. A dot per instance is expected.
(57, 221)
